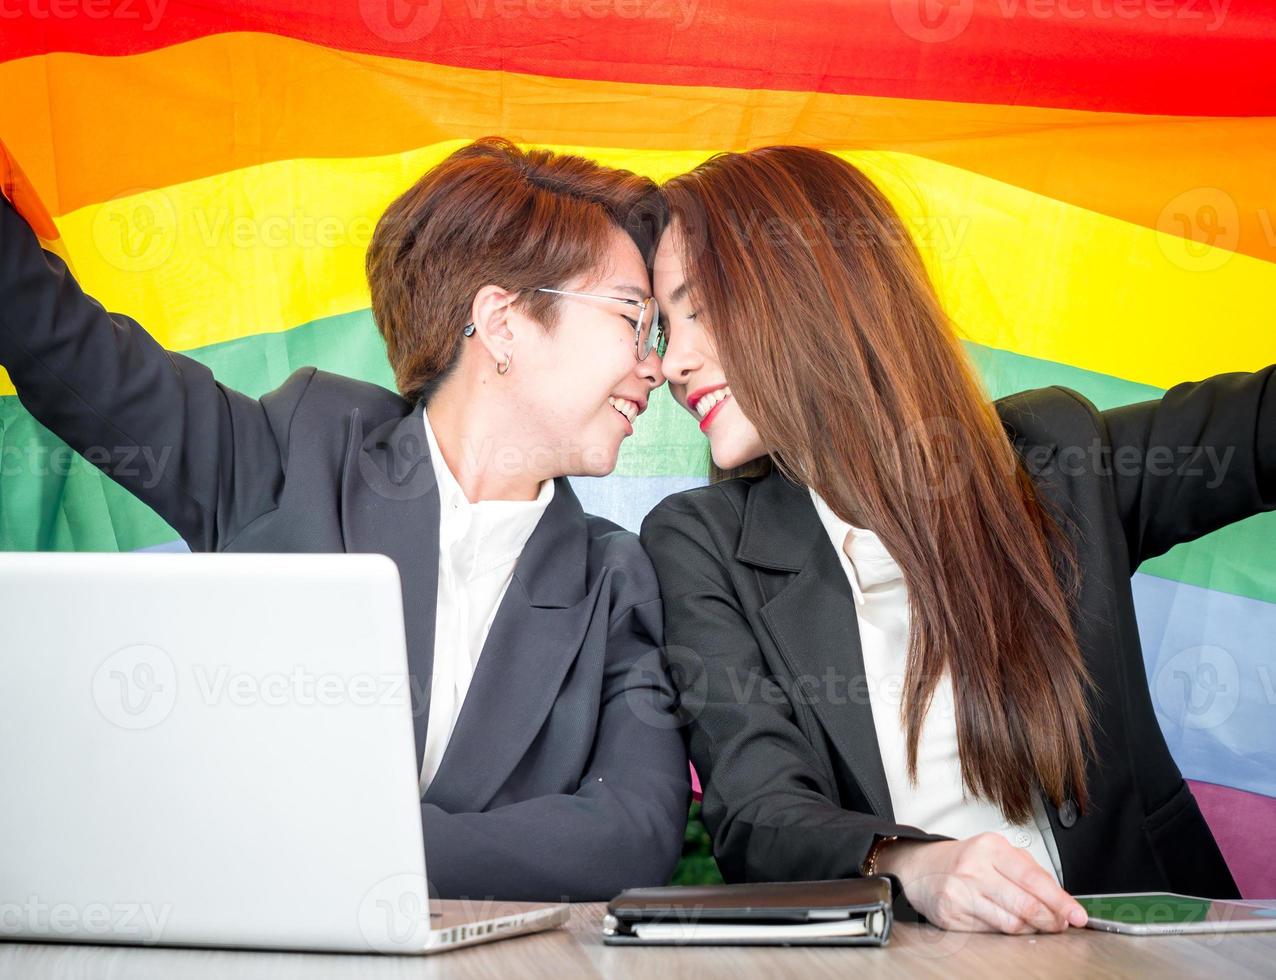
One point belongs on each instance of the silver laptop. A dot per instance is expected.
(217, 750)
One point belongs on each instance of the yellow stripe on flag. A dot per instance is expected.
(268, 248)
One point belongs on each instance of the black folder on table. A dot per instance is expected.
(845, 912)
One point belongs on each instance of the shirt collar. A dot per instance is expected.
(869, 564)
(492, 532)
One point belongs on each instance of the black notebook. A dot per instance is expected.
(845, 912)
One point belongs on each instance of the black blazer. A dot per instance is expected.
(763, 641)
(564, 777)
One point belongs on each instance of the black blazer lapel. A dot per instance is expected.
(538, 631)
(813, 622)
(390, 506)
(812, 618)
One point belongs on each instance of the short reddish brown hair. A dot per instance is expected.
(492, 213)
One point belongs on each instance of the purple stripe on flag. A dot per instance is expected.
(1242, 824)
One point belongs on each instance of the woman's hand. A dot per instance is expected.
(981, 884)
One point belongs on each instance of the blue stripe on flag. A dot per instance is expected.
(1211, 666)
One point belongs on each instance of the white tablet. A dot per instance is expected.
(1162, 913)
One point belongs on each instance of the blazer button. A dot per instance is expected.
(1068, 812)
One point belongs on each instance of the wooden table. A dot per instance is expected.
(578, 951)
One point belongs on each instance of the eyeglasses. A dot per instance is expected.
(649, 335)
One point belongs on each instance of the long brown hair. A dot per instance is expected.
(837, 349)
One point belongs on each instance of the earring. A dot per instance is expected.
(503, 369)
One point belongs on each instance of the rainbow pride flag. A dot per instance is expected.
(1091, 183)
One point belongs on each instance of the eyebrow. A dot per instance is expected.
(679, 294)
(626, 287)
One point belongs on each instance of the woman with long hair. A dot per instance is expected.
(900, 615)
(511, 288)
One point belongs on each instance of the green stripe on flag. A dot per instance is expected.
(53, 500)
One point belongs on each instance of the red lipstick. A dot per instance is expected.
(699, 393)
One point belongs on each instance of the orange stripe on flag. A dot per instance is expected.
(228, 102)
(21, 194)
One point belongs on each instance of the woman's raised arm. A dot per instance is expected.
(103, 385)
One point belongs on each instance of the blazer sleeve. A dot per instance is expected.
(104, 386)
(769, 804)
(622, 827)
(1197, 459)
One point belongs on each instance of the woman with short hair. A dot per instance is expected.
(511, 288)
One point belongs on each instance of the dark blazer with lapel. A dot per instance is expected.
(566, 776)
(763, 642)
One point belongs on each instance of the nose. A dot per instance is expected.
(679, 362)
(651, 370)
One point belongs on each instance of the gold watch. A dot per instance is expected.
(869, 867)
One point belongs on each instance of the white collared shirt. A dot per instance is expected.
(937, 802)
(479, 544)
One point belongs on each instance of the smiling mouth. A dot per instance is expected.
(625, 407)
(706, 406)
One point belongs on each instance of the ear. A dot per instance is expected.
(490, 315)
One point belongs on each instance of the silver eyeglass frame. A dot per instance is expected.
(655, 332)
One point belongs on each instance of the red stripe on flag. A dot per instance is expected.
(1195, 57)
